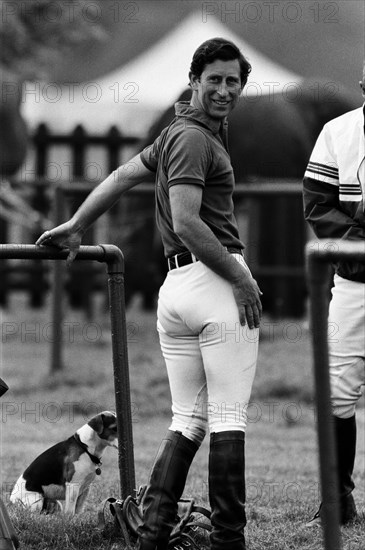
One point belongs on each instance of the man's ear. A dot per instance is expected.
(194, 81)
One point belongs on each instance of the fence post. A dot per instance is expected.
(121, 375)
(113, 144)
(37, 275)
(81, 277)
(41, 140)
(57, 290)
(319, 254)
(318, 276)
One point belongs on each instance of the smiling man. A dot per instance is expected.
(210, 357)
(209, 306)
(217, 88)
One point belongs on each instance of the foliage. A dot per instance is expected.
(35, 33)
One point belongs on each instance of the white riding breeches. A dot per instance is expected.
(210, 358)
(346, 340)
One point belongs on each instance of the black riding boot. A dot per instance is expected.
(345, 429)
(166, 485)
(227, 492)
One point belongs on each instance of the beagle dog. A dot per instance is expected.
(61, 476)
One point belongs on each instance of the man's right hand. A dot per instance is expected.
(247, 295)
(62, 236)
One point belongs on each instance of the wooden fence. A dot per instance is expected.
(79, 141)
(276, 242)
(39, 192)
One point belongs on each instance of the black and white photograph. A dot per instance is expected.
(182, 274)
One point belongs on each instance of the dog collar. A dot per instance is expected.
(96, 460)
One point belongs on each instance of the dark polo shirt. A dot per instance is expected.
(193, 150)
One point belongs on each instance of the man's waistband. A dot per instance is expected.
(186, 258)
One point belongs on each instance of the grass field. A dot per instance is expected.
(41, 409)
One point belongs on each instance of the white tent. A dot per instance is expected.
(134, 95)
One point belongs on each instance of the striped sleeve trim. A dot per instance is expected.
(350, 189)
(322, 172)
(350, 192)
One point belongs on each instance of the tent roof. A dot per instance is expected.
(132, 96)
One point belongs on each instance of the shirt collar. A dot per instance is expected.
(184, 109)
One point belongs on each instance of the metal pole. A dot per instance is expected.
(318, 280)
(115, 261)
(121, 374)
(319, 254)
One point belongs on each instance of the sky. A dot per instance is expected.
(317, 39)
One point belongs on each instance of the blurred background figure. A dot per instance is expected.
(333, 190)
(34, 36)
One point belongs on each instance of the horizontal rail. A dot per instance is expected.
(107, 253)
(324, 250)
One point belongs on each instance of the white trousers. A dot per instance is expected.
(210, 358)
(346, 339)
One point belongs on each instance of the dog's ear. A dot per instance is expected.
(96, 423)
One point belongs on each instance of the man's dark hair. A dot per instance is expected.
(219, 48)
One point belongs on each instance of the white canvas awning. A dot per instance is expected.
(133, 96)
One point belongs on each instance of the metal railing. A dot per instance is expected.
(113, 257)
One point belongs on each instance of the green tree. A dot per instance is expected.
(35, 33)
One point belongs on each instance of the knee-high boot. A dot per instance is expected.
(345, 429)
(227, 490)
(166, 485)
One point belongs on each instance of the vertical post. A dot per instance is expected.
(57, 293)
(112, 140)
(78, 151)
(41, 140)
(39, 202)
(318, 279)
(81, 292)
(121, 378)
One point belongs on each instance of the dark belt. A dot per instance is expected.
(186, 258)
